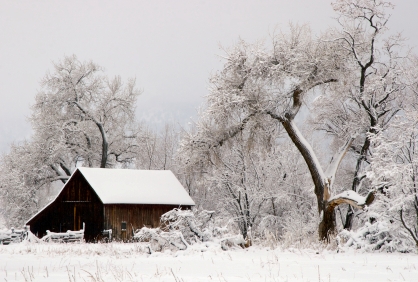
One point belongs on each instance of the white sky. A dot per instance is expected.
(171, 47)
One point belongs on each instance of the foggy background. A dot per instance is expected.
(170, 47)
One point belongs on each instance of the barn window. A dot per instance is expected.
(123, 227)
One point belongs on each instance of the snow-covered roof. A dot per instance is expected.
(130, 186)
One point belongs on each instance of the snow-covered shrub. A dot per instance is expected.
(393, 173)
(182, 228)
(233, 241)
(160, 240)
(269, 229)
(300, 228)
(378, 236)
(193, 227)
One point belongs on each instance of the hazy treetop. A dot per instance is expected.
(169, 46)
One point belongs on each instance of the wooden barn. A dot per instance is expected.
(122, 200)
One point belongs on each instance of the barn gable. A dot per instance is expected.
(75, 203)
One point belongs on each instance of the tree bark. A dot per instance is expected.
(105, 144)
(327, 226)
(105, 147)
(328, 222)
(348, 224)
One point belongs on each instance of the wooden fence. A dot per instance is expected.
(18, 235)
(67, 237)
(13, 235)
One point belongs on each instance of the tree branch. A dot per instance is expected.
(414, 236)
(352, 198)
(332, 168)
(60, 176)
(309, 156)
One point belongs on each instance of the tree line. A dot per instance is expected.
(301, 135)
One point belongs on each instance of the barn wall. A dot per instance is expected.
(77, 203)
(135, 216)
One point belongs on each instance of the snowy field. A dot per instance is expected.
(128, 262)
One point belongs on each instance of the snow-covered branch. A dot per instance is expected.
(352, 198)
(332, 168)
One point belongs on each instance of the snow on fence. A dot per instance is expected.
(13, 235)
(18, 235)
(67, 237)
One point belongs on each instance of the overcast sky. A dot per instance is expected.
(170, 47)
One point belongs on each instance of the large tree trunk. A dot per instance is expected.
(348, 224)
(323, 181)
(328, 223)
(327, 226)
(105, 145)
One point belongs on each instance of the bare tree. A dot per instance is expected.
(156, 148)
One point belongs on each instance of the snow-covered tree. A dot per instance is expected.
(378, 66)
(23, 186)
(363, 74)
(157, 148)
(80, 110)
(265, 88)
(394, 173)
(79, 116)
(254, 181)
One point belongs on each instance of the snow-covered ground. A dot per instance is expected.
(128, 262)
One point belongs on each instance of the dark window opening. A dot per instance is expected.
(123, 227)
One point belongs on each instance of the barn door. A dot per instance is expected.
(77, 219)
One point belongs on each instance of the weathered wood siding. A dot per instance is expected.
(77, 203)
(135, 216)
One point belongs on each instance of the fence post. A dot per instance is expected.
(26, 233)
